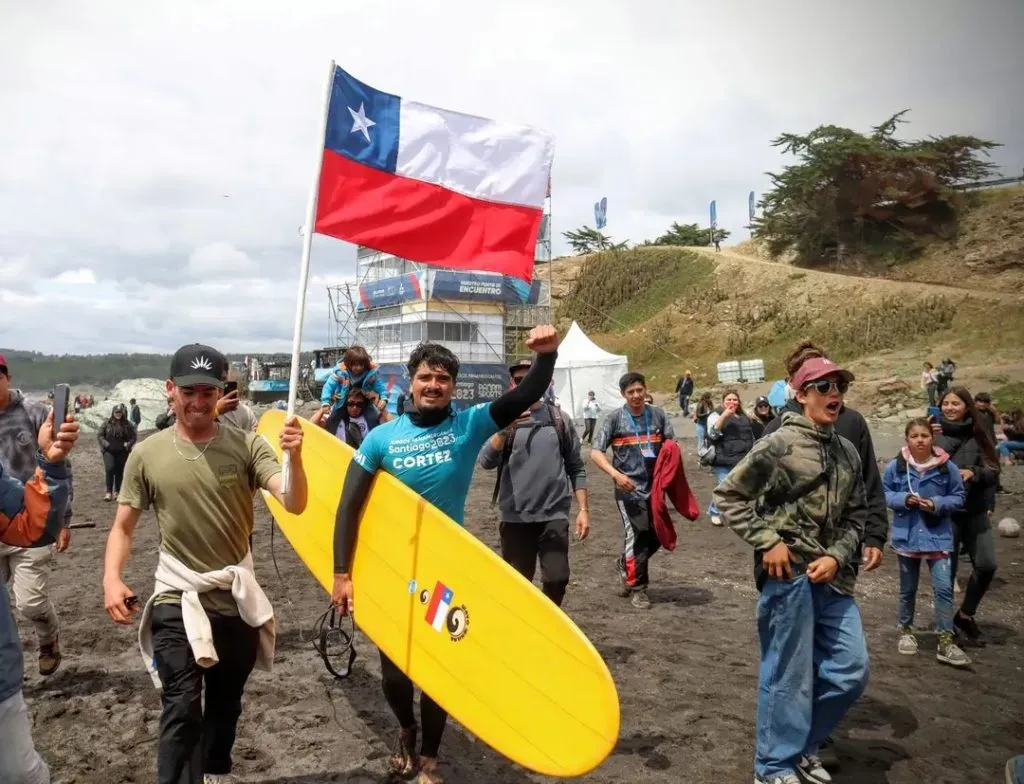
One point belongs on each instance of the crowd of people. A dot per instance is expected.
(801, 486)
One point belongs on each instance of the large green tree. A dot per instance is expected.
(689, 234)
(866, 194)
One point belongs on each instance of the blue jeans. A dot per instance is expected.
(1007, 448)
(721, 472)
(702, 433)
(814, 666)
(19, 760)
(942, 589)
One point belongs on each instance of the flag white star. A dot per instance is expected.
(360, 122)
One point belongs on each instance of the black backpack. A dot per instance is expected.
(506, 452)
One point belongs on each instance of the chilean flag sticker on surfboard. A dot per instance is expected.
(440, 602)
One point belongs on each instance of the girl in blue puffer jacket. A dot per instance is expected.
(923, 487)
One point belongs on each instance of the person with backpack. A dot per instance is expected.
(798, 499)
(539, 469)
(923, 488)
(852, 426)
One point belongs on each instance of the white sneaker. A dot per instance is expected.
(216, 778)
(716, 520)
(812, 771)
(781, 778)
(908, 642)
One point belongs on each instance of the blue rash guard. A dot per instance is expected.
(436, 462)
(432, 454)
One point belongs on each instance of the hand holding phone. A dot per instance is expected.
(61, 401)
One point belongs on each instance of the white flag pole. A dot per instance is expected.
(307, 244)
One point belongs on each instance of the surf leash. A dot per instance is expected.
(330, 634)
(326, 634)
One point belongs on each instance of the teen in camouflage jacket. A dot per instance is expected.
(801, 485)
(798, 497)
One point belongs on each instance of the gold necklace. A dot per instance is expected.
(174, 438)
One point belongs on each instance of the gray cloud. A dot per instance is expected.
(168, 148)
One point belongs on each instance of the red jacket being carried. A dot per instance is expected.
(670, 482)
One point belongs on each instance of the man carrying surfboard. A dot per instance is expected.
(433, 450)
(206, 607)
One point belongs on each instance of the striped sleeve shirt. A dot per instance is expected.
(635, 442)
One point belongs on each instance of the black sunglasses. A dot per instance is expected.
(823, 386)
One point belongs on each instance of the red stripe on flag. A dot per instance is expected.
(424, 222)
(435, 602)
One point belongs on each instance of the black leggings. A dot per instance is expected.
(523, 543)
(588, 430)
(113, 463)
(398, 692)
(976, 534)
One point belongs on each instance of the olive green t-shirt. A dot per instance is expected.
(204, 507)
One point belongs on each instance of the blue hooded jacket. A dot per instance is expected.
(914, 530)
(335, 391)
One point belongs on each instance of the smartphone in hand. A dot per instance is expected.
(61, 401)
(230, 386)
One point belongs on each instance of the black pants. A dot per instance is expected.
(976, 534)
(684, 404)
(194, 740)
(588, 430)
(640, 541)
(523, 543)
(113, 463)
(398, 692)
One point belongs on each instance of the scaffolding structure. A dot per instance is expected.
(394, 304)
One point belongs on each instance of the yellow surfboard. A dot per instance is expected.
(469, 630)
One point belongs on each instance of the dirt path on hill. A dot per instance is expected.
(728, 257)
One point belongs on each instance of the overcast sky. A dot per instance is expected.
(156, 157)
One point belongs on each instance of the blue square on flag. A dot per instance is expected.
(363, 123)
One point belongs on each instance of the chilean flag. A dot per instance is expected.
(440, 602)
(431, 185)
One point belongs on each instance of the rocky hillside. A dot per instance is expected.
(672, 309)
(987, 254)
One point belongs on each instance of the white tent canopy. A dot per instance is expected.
(582, 367)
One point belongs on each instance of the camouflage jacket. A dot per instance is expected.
(801, 485)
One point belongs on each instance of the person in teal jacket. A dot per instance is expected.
(356, 370)
(31, 515)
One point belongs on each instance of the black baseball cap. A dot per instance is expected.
(196, 364)
(522, 364)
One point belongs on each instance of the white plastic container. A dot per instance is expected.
(752, 371)
(729, 372)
